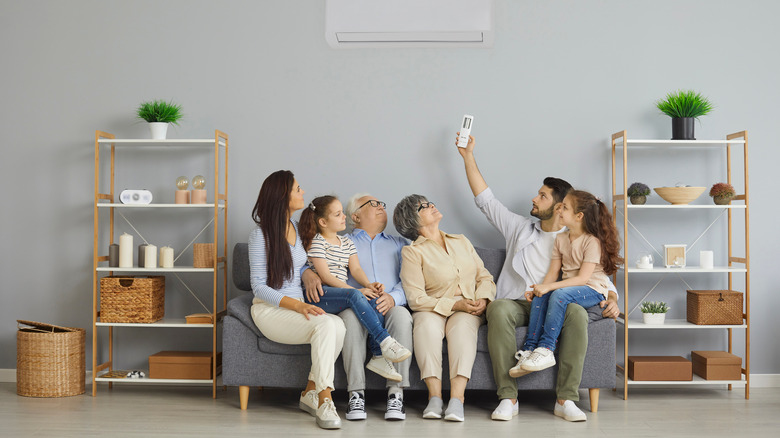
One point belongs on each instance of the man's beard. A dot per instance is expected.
(544, 215)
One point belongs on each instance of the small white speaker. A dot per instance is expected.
(135, 196)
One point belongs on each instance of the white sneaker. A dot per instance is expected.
(327, 417)
(569, 411)
(356, 408)
(542, 358)
(383, 367)
(393, 350)
(517, 370)
(309, 402)
(505, 410)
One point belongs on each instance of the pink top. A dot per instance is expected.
(584, 249)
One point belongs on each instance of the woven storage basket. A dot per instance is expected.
(132, 299)
(49, 360)
(713, 307)
(203, 254)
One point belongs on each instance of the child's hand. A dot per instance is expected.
(541, 289)
(529, 295)
(378, 287)
(369, 293)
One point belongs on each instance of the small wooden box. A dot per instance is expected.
(654, 368)
(714, 307)
(181, 365)
(674, 256)
(716, 365)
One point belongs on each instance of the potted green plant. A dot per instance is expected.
(654, 312)
(722, 193)
(159, 114)
(638, 193)
(684, 106)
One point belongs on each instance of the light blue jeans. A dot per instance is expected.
(549, 310)
(337, 299)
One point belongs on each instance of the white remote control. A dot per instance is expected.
(465, 131)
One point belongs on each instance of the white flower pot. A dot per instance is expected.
(159, 130)
(654, 318)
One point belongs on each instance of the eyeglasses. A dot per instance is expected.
(425, 205)
(373, 204)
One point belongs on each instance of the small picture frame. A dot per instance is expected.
(674, 256)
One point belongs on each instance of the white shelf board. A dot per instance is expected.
(154, 270)
(163, 323)
(685, 270)
(655, 142)
(696, 381)
(116, 205)
(680, 207)
(675, 324)
(151, 142)
(148, 381)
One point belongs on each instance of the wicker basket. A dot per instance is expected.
(203, 254)
(714, 307)
(132, 299)
(49, 360)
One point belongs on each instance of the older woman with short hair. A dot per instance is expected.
(448, 288)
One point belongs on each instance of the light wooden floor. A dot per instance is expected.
(143, 411)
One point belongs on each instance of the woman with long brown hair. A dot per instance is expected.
(276, 256)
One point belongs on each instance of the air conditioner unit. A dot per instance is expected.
(409, 23)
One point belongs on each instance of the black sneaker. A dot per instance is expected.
(395, 408)
(356, 410)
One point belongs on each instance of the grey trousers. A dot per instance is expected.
(398, 322)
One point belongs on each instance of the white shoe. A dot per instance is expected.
(309, 402)
(505, 410)
(383, 367)
(327, 417)
(356, 408)
(394, 351)
(569, 411)
(542, 358)
(517, 370)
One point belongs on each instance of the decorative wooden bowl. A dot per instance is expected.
(679, 195)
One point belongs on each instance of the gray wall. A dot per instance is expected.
(561, 78)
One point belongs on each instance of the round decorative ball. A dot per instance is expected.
(199, 182)
(182, 183)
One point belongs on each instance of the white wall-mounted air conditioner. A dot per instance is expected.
(409, 23)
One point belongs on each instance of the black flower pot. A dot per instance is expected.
(682, 128)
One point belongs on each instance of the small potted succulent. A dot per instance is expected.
(722, 193)
(684, 106)
(654, 312)
(159, 114)
(638, 192)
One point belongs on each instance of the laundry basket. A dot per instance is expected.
(49, 360)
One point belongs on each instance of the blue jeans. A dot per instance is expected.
(548, 311)
(337, 299)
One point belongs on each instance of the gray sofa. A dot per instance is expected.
(250, 359)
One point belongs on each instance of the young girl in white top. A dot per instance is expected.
(587, 253)
(330, 255)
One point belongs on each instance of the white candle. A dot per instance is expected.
(706, 259)
(166, 257)
(150, 256)
(126, 251)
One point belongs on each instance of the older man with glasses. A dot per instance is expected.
(380, 258)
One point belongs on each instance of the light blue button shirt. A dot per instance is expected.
(380, 259)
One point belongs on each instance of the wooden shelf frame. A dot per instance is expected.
(620, 140)
(219, 288)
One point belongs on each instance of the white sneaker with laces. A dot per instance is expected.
(327, 417)
(383, 367)
(569, 411)
(393, 350)
(517, 370)
(542, 358)
(505, 410)
(356, 408)
(309, 402)
(395, 408)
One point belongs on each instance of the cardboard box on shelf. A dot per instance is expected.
(181, 365)
(654, 368)
(716, 365)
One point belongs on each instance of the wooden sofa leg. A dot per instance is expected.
(594, 399)
(243, 396)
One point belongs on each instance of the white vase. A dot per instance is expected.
(159, 130)
(654, 318)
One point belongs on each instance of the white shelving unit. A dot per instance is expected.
(102, 372)
(736, 264)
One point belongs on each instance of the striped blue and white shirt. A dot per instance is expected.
(258, 269)
(336, 256)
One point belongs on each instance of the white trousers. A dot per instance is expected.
(460, 329)
(325, 333)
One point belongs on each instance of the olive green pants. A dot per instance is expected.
(504, 316)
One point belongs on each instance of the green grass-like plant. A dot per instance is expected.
(654, 307)
(160, 111)
(684, 103)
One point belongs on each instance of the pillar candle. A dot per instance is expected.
(198, 196)
(166, 257)
(141, 255)
(126, 251)
(150, 258)
(113, 255)
(706, 259)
